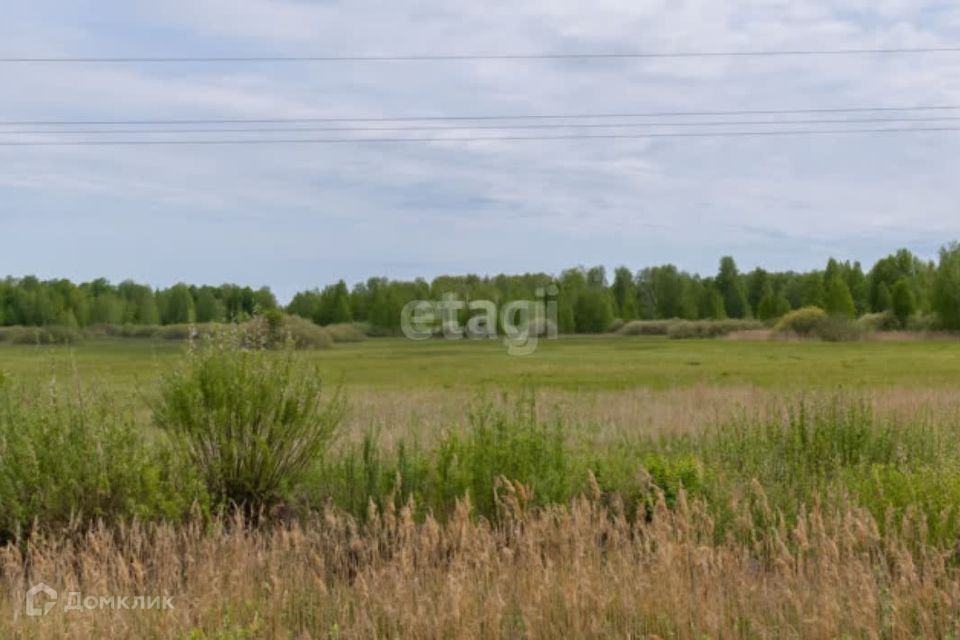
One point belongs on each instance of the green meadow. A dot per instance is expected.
(569, 364)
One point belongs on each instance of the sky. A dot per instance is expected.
(299, 216)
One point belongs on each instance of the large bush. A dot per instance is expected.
(685, 329)
(646, 327)
(73, 458)
(250, 421)
(802, 322)
(814, 322)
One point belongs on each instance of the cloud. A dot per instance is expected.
(314, 213)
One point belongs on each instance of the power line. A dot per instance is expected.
(266, 141)
(506, 127)
(480, 57)
(570, 116)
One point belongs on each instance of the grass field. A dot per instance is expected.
(570, 364)
(602, 487)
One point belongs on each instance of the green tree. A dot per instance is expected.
(946, 287)
(592, 310)
(179, 305)
(904, 302)
(624, 291)
(731, 288)
(772, 305)
(837, 298)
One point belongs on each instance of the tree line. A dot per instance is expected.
(588, 300)
(29, 301)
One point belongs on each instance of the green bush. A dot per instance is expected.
(685, 329)
(802, 322)
(923, 323)
(251, 422)
(646, 328)
(72, 458)
(883, 321)
(178, 331)
(275, 330)
(838, 329)
(889, 492)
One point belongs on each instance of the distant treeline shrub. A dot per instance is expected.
(883, 321)
(346, 332)
(684, 329)
(40, 335)
(646, 327)
(681, 329)
(814, 322)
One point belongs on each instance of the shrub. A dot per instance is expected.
(923, 323)
(838, 329)
(140, 331)
(53, 334)
(684, 329)
(177, 331)
(646, 328)
(275, 330)
(103, 330)
(813, 322)
(884, 321)
(345, 332)
(73, 458)
(250, 422)
(802, 322)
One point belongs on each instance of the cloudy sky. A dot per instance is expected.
(297, 216)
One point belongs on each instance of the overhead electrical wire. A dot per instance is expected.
(355, 140)
(437, 118)
(612, 55)
(480, 127)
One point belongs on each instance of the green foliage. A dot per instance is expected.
(837, 297)
(814, 322)
(884, 321)
(891, 491)
(586, 302)
(712, 305)
(276, 330)
(732, 289)
(946, 287)
(73, 458)
(838, 329)
(250, 422)
(646, 328)
(495, 445)
(802, 322)
(685, 329)
(593, 310)
(624, 291)
(904, 302)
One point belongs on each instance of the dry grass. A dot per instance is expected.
(579, 571)
(614, 414)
